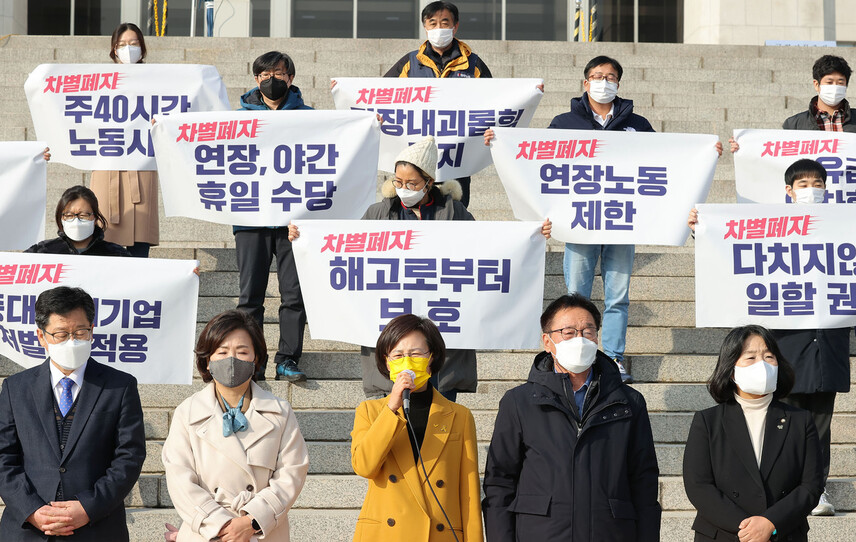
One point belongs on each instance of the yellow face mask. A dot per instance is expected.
(417, 365)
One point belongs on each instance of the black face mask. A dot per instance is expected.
(273, 88)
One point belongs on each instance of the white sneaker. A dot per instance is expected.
(824, 507)
(625, 376)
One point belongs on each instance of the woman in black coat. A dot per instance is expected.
(752, 464)
(81, 227)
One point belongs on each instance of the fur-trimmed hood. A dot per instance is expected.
(447, 188)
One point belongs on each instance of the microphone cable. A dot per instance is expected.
(427, 481)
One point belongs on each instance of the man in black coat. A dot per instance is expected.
(72, 442)
(828, 110)
(572, 455)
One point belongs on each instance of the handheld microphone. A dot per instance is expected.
(405, 396)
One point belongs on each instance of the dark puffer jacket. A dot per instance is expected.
(580, 117)
(550, 476)
(63, 245)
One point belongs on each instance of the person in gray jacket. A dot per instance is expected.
(413, 195)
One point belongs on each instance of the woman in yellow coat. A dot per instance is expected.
(399, 504)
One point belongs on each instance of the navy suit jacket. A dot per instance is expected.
(101, 461)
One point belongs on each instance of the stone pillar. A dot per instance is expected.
(130, 11)
(233, 19)
(13, 17)
(753, 22)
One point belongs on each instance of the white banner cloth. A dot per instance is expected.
(603, 187)
(482, 283)
(23, 182)
(765, 155)
(784, 266)
(97, 116)
(455, 111)
(265, 168)
(145, 310)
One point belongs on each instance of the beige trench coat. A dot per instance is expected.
(212, 478)
(129, 202)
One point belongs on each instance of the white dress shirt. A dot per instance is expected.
(603, 120)
(76, 376)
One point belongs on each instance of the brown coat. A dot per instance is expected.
(129, 202)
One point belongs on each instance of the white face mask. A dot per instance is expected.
(129, 54)
(78, 230)
(758, 379)
(832, 95)
(440, 37)
(576, 355)
(809, 195)
(410, 197)
(603, 92)
(71, 354)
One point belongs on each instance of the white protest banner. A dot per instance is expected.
(97, 116)
(455, 111)
(765, 155)
(23, 182)
(482, 283)
(603, 187)
(145, 310)
(265, 168)
(783, 266)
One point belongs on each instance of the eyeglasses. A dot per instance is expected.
(411, 185)
(264, 76)
(79, 334)
(589, 332)
(82, 216)
(600, 77)
(414, 354)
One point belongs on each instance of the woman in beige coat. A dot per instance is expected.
(235, 459)
(129, 199)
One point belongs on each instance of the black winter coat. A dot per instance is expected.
(725, 484)
(806, 121)
(63, 245)
(550, 476)
(580, 117)
(820, 358)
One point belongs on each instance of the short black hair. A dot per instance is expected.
(403, 325)
(215, 333)
(569, 301)
(599, 60)
(79, 192)
(721, 383)
(62, 300)
(435, 7)
(270, 60)
(802, 168)
(827, 64)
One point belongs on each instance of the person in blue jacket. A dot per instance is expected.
(256, 247)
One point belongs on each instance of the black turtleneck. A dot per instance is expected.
(420, 406)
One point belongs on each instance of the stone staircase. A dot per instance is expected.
(679, 88)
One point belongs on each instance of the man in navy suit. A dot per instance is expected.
(72, 442)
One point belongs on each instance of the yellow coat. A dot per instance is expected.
(399, 505)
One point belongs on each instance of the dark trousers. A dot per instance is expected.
(255, 249)
(139, 250)
(465, 189)
(820, 404)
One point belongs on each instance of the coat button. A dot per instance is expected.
(249, 488)
(735, 494)
(393, 478)
(390, 522)
(440, 483)
(62, 469)
(440, 526)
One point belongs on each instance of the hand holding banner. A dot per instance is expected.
(455, 111)
(482, 283)
(265, 168)
(23, 180)
(97, 116)
(765, 155)
(602, 187)
(784, 266)
(145, 326)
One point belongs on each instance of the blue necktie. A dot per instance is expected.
(65, 397)
(233, 419)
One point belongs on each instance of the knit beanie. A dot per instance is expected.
(422, 154)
